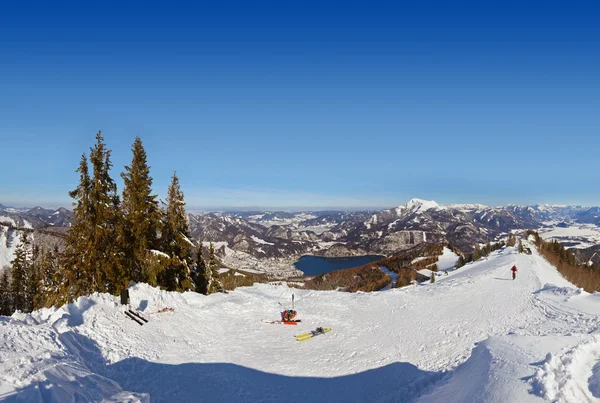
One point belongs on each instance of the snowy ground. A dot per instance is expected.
(9, 240)
(447, 261)
(575, 236)
(473, 336)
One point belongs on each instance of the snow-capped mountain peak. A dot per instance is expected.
(415, 205)
(419, 205)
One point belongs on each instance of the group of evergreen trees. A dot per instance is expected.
(33, 278)
(113, 241)
(584, 275)
(480, 252)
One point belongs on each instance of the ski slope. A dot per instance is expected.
(473, 336)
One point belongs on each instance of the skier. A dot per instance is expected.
(287, 315)
(514, 271)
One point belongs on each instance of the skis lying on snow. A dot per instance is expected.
(313, 333)
(281, 322)
(136, 316)
(139, 315)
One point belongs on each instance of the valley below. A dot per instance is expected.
(285, 245)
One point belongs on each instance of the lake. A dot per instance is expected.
(315, 265)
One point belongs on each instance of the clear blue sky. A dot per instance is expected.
(306, 104)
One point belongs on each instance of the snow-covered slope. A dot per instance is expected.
(473, 336)
(9, 241)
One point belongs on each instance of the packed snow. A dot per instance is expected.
(10, 239)
(472, 336)
(447, 261)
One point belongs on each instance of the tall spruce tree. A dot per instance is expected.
(58, 296)
(175, 240)
(34, 294)
(141, 219)
(77, 257)
(215, 284)
(19, 274)
(202, 275)
(93, 259)
(49, 280)
(5, 295)
(107, 260)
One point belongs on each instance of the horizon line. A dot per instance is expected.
(258, 208)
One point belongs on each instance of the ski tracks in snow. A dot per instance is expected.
(423, 334)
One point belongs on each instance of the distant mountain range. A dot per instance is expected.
(266, 235)
(37, 217)
(276, 234)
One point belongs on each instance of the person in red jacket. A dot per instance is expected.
(288, 315)
(514, 271)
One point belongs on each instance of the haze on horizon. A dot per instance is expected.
(306, 106)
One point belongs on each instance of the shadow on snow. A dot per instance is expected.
(212, 382)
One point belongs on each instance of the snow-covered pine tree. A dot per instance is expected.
(215, 284)
(92, 257)
(20, 267)
(175, 241)
(34, 295)
(106, 263)
(140, 225)
(59, 294)
(202, 275)
(80, 240)
(49, 284)
(5, 294)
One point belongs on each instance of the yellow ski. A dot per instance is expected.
(313, 333)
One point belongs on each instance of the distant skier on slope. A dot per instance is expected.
(514, 271)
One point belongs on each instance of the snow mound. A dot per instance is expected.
(25, 318)
(473, 336)
(500, 370)
(565, 377)
(552, 289)
(477, 370)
